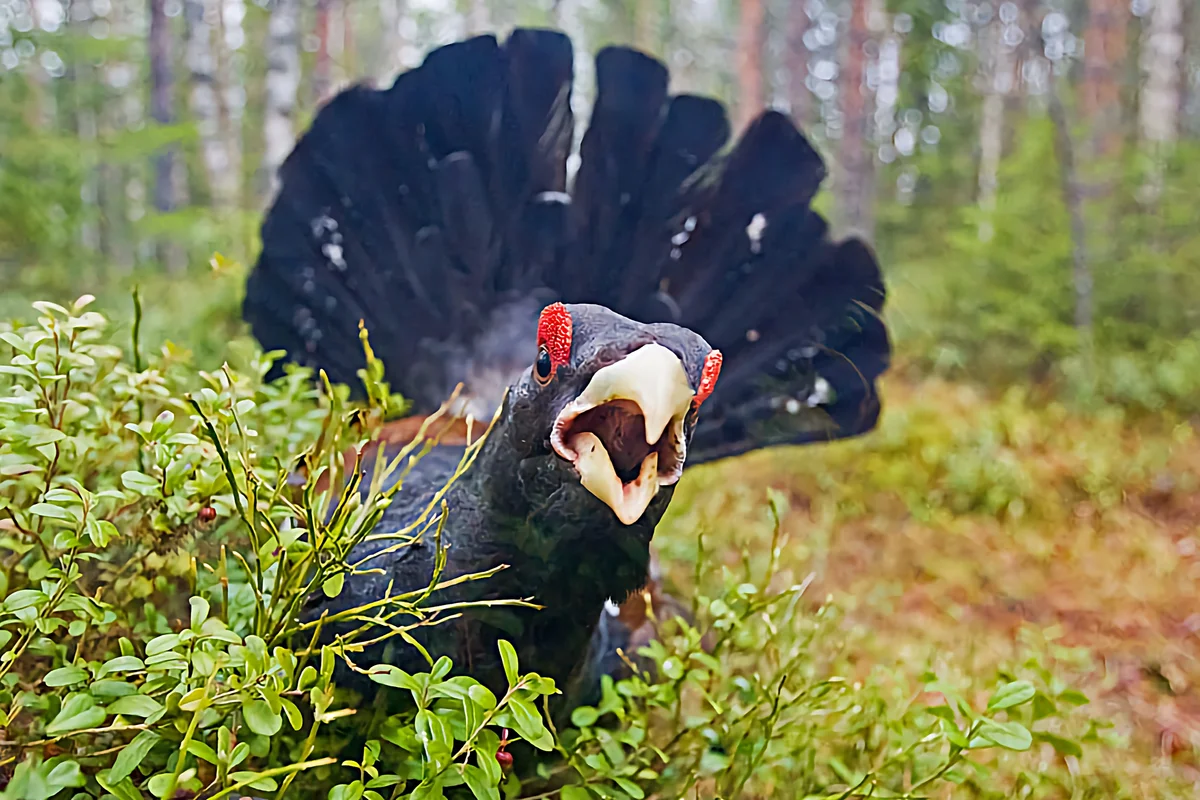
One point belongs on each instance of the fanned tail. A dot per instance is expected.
(437, 212)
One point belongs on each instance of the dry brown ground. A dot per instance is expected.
(967, 523)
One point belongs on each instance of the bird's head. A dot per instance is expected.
(606, 409)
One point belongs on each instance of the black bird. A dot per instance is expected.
(585, 295)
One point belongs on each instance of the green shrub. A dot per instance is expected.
(155, 545)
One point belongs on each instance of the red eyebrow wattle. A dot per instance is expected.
(708, 376)
(554, 333)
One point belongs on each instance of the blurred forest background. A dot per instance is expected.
(1025, 168)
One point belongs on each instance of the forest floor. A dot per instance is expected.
(969, 533)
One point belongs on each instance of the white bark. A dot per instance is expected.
(478, 17)
(997, 77)
(1161, 61)
(282, 85)
(203, 100)
(391, 17)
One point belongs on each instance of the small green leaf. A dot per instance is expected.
(261, 719)
(1009, 735)
(631, 788)
(132, 755)
(51, 512)
(162, 644)
(1064, 747)
(121, 664)
(945, 712)
(65, 676)
(199, 611)
(332, 587)
(574, 793)
(584, 717)
(294, 717)
(78, 712)
(200, 750)
(1011, 694)
(1074, 697)
(24, 598)
(252, 780)
(528, 724)
(508, 655)
(478, 783)
(135, 705)
(346, 791)
(139, 482)
(482, 696)
(395, 677)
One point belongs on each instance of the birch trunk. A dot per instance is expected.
(391, 16)
(167, 180)
(282, 84)
(1162, 64)
(796, 64)
(204, 101)
(997, 78)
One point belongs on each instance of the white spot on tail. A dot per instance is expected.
(611, 608)
(553, 197)
(755, 231)
(334, 253)
(821, 393)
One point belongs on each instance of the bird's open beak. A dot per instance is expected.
(624, 433)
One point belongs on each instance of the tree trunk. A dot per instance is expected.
(796, 64)
(391, 16)
(1073, 198)
(1162, 63)
(751, 98)
(1104, 55)
(322, 77)
(997, 77)
(855, 200)
(166, 180)
(478, 17)
(161, 102)
(205, 104)
(282, 84)
(224, 90)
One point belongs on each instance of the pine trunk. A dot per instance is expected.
(1104, 55)
(854, 195)
(322, 77)
(751, 98)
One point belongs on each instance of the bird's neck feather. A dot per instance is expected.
(567, 548)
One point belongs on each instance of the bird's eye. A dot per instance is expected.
(543, 368)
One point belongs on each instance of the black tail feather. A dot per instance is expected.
(436, 212)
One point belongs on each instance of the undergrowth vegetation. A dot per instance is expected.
(162, 525)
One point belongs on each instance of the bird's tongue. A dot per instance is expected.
(627, 500)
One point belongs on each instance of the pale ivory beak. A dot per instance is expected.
(653, 378)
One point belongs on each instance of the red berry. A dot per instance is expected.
(208, 514)
(505, 758)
